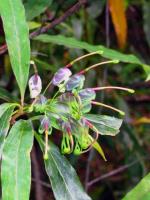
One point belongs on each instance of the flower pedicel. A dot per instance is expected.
(66, 110)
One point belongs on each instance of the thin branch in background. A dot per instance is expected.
(107, 25)
(54, 23)
(38, 186)
(87, 172)
(113, 172)
(42, 183)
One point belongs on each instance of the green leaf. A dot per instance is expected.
(74, 43)
(141, 191)
(64, 180)
(4, 125)
(33, 25)
(5, 95)
(4, 107)
(16, 164)
(97, 146)
(17, 38)
(106, 125)
(35, 7)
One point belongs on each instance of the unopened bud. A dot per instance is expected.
(61, 75)
(76, 81)
(35, 86)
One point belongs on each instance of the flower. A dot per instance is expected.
(45, 125)
(35, 86)
(61, 75)
(76, 81)
(87, 94)
(41, 104)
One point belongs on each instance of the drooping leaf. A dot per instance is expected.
(106, 125)
(105, 52)
(17, 39)
(4, 125)
(5, 95)
(35, 7)
(141, 191)
(117, 10)
(16, 164)
(64, 180)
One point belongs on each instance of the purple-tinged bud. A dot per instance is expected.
(76, 81)
(45, 124)
(35, 86)
(87, 94)
(41, 100)
(61, 75)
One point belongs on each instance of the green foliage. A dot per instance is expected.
(141, 191)
(4, 125)
(106, 125)
(104, 52)
(16, 164)
(17, 37)
(64, 180)
(6, 96)
(34, 8)
(4, 107)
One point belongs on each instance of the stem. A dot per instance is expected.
(107, 106)
(82, 57)
(96, 65)
(71, 140)
(22, 100)
(34, 66)
(114, 87)
(46, 145)
(47, 87)
(16, 115)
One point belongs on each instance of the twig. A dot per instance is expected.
(36, 171)
(112, 173)
(54, 23)
(41, 183)
(87, 173)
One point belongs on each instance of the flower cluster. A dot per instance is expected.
(67, 110)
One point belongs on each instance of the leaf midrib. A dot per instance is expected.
(17, 37)
(16, 171)
(61, 175)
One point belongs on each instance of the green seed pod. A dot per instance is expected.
(65, 144)
(77, 149)
(84, 143)
(41, 129)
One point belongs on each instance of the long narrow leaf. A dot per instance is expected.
(141, 191)
(5, 95)
(16, 165)
(4, 107)
(64, 180)
(17, 38)
(4, 126)
(106, 52)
